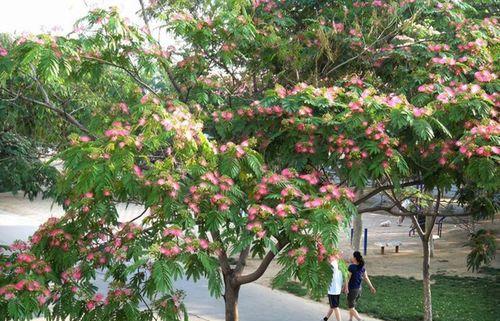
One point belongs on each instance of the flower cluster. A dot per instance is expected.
(212, 187)
(176, 243)
(233, 149)
(476, 142)
(345, 146)
(30, 287)
(299, 254)
(96, 301)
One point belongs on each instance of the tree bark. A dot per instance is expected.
(231, 299)
(427, 280)
(357, 225)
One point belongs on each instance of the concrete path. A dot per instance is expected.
(19, 218)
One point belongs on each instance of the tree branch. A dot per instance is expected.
(243, 279)
(242, 260)
(223, 259)
(129, 72)
(383, 188)
(49, 105)
(170, 74)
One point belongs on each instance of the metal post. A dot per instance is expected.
(352, 233)
(365, 241)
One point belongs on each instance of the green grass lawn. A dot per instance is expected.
(454, 298)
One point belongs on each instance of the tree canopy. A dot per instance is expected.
(262, 132)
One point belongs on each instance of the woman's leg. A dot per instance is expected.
(354, 313)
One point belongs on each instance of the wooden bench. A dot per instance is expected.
(383, 245)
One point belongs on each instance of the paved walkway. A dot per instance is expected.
(19, 218)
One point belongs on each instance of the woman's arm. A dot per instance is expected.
(367, 279)
(346, 282)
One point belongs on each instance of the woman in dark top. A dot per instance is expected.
(357, 273)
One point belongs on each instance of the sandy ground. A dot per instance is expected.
(449, 254)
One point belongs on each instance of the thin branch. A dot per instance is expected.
(139, 216)
(417, 227)
(380, 37)
(167, 68)
(48, 104)
(243, 279)
(383, 188)
(128, 71)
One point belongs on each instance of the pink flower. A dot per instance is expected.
(393, 101)
(310, 178)
(3, 52)
(349, 194)
(26, 258)
(418, 112)
(281, 91)
(355, 106)
(484, 76)
(239, 152)
(9, 296)
(338, 27)
(90, 305)
(85, 139)
(138, 171)
(203, 244)
(19, 285)
(314, 203)
(41, 299)
(123, 107)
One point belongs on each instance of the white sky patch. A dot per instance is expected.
(55, 16)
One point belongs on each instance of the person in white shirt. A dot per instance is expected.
(335, 290)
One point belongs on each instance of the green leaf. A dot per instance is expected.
(423, 129)
(162, 276)
(230, 166)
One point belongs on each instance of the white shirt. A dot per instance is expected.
(337, 279)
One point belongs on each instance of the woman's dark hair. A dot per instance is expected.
(359, 258)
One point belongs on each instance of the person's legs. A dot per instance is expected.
(334, 307)
(352, 298)
(350, 315)
(354, 313)
(328, 314)
(336, 311)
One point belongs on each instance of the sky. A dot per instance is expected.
(57, 16)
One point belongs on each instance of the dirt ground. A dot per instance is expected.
(449, 253)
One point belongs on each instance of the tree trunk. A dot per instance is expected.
(357, 226)
(231, 299)
(427, 280)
